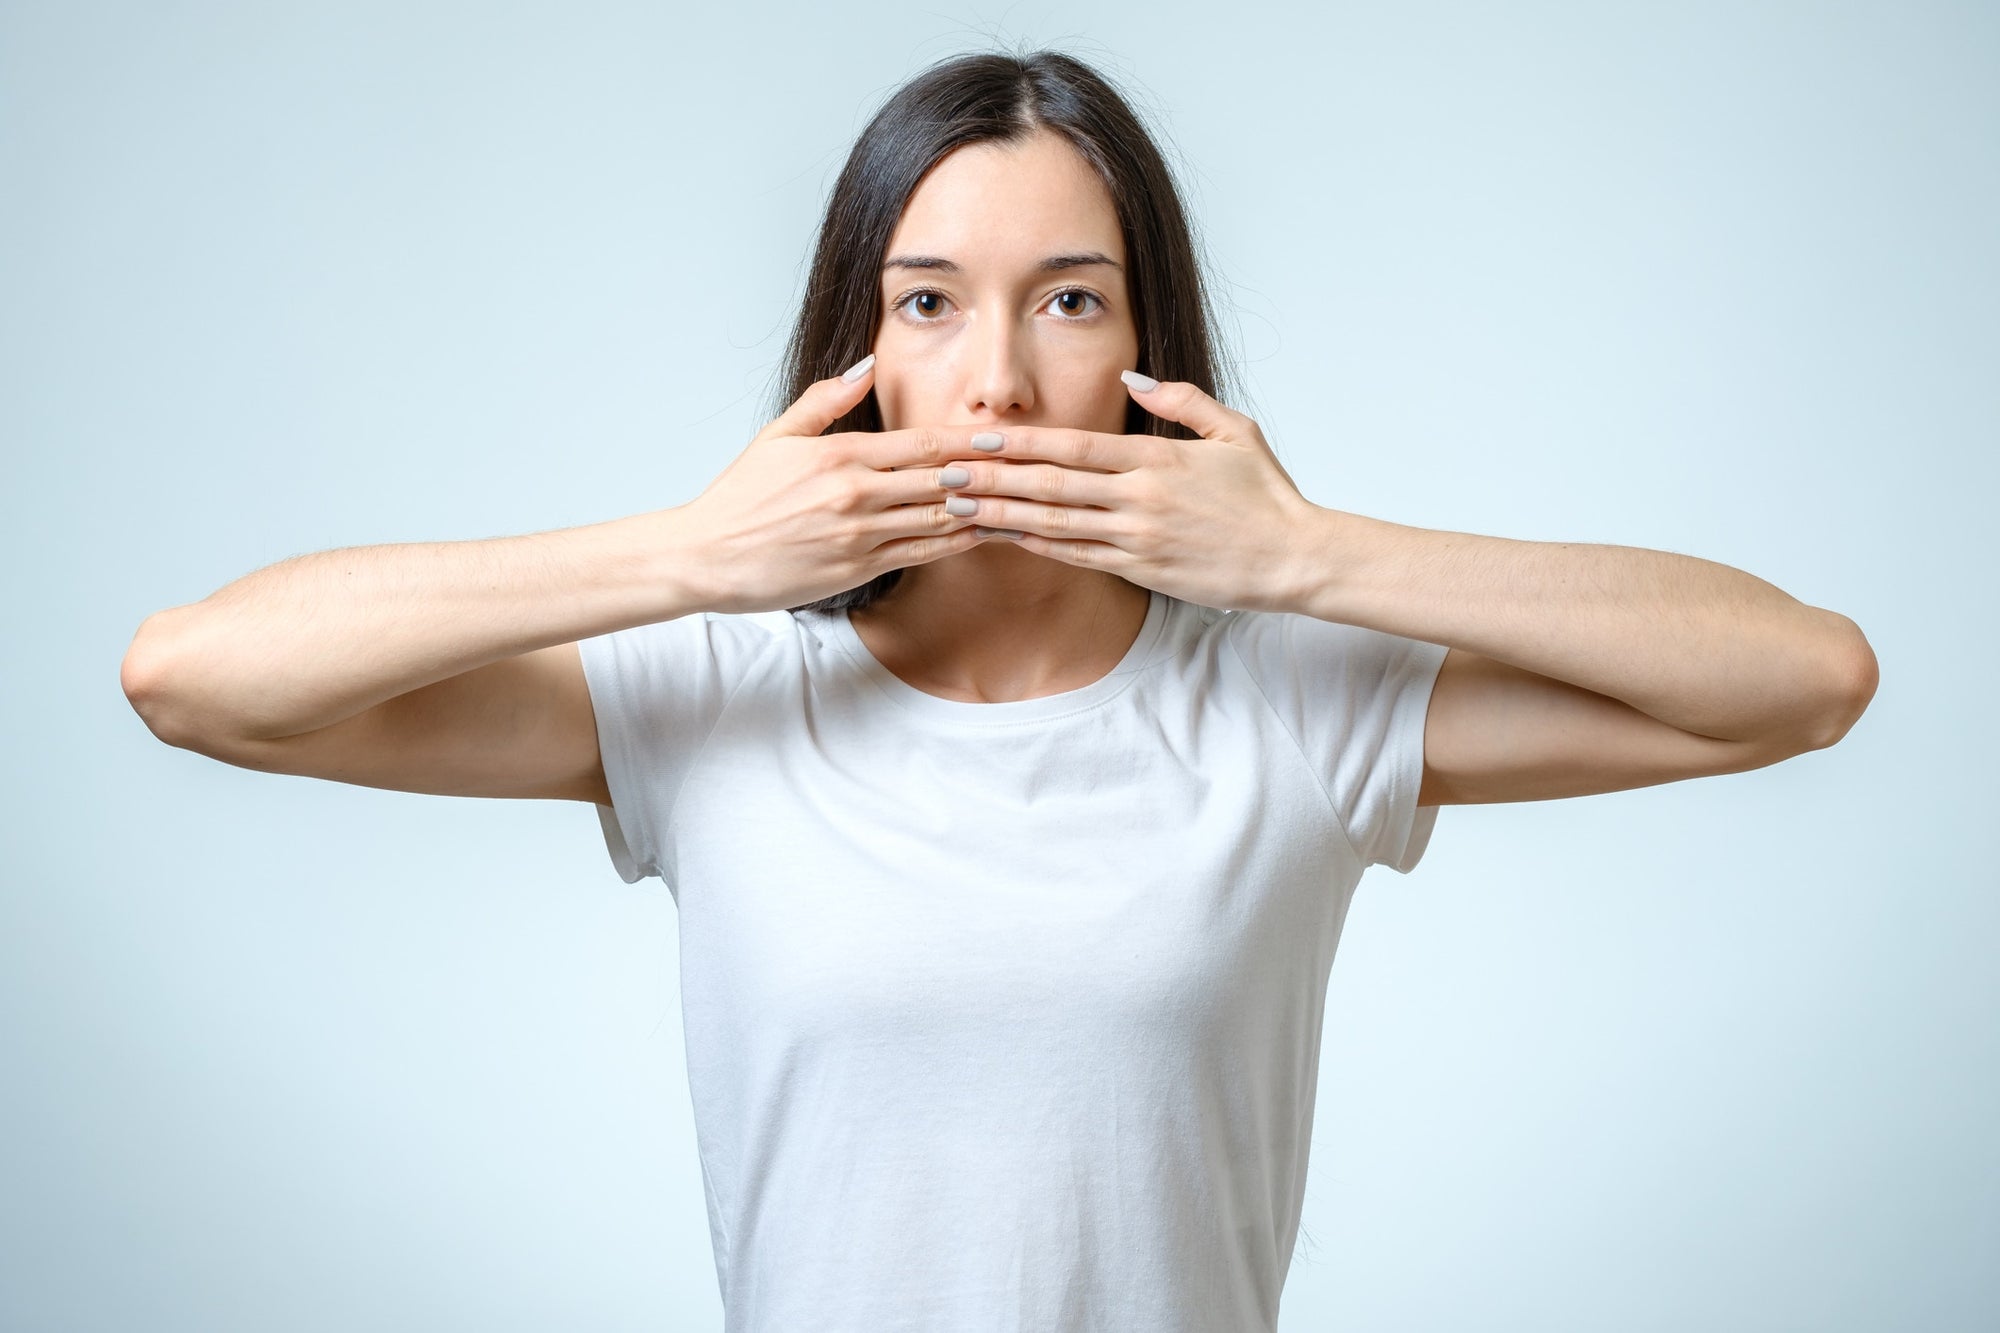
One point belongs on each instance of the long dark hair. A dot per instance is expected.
(999, 98)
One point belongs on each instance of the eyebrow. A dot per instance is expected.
(1053, 263)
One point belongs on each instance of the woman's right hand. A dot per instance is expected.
(800, 516)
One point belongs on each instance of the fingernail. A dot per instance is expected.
(954, 476)
(1143, 383)
(988, 440)
(961, 506)
(858, 369)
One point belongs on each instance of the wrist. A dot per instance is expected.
(663, 559)
(1324, 554)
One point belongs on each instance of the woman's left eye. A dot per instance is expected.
(1086, 303)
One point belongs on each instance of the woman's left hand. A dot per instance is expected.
(1215, 521)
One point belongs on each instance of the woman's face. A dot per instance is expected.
(1003, 295)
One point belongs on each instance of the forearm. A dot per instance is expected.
(1699, 645)
(315, 639)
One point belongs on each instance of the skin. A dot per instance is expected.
(1005, 343)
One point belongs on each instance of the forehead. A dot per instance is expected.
(1010, 205)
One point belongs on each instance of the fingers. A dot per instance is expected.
(917, 447)
(923, 549)
(969, 481)
(1050, 521)
(828, 400)
(1177, 400)
(825, 401)
(1086, 450)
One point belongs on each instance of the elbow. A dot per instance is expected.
(144, 677)
(1858, 674)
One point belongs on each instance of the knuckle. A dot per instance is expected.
(849, 495)
(1051, 483)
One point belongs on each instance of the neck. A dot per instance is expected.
(998, 623)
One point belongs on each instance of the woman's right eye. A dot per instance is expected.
(925, 305)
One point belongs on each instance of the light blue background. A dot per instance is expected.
(1713, 278)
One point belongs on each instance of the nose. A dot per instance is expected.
(998, 377)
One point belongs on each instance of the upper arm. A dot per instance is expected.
(520, 727)
(1496, 732)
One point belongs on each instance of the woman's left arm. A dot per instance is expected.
(1698, 645)
(1572, 668)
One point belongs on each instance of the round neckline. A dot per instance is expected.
(1006, 711)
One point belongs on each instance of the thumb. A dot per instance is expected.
(1177, 400)
(825, 401)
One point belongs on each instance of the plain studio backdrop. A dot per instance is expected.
(1711, 278)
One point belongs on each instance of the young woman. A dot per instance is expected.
(1011, 734)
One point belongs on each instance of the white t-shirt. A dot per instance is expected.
(1006, 1016)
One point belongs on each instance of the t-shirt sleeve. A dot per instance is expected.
(657, 691)
(1355, 700)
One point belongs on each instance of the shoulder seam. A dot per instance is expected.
(694, 760)
(1332, 810)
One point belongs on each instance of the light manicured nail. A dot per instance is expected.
(1143, 383)
(988, 440)
(961, 506)
(954, 476)
(858, 369)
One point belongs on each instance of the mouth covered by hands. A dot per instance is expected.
(800, 514)
(1216, 520)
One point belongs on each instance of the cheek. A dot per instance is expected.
(1084, 377)
(912, 381)
(906, 397)
(892, 401)
(1088, 392)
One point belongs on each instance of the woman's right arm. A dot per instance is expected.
(445, 667)
(453, 667)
